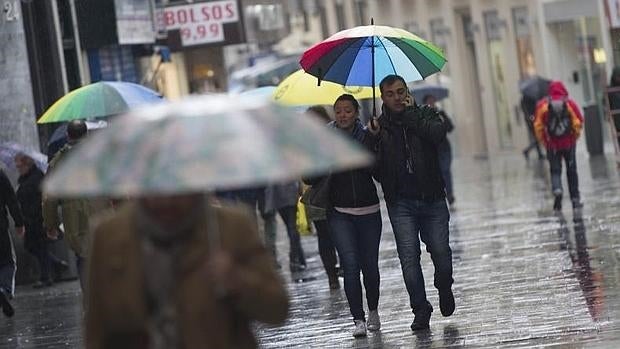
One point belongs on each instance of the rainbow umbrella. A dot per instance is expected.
(363, 56)
(101, 99)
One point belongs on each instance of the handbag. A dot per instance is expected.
(317, 195)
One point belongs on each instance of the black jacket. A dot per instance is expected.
(353, 188)
(422, 129)
(29, 197)
(7, 200)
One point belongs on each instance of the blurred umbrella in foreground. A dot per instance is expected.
(423, 90)
(300, 88)
(101, 99)
(202, 144)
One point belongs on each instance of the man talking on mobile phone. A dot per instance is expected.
(406, 136)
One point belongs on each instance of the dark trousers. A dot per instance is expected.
(533, 141)
(80, 263)
(357, 241)
(327, 251)
(555, 164)
(445, 161)
(288, 215)
(45, 259)
(415, 220)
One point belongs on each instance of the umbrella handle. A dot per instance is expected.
(213, 229)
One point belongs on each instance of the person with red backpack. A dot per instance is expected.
(557, 124)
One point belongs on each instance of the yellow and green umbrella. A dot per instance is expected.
(101, 99)
(300, 88)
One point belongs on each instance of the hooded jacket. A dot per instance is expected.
(557, 92)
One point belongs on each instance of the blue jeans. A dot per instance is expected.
(555, 164)
(413, 220)
(357, 240)
(7, 279)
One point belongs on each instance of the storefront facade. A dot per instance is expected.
(491, 45)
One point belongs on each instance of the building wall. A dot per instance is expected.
(484, 100)
(17, 115)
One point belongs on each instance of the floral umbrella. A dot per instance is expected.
(202, 144)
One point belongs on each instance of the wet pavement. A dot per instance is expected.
(524, 275)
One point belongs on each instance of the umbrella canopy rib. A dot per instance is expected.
(343, 66)
(421, 54)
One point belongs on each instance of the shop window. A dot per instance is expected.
(525, 54)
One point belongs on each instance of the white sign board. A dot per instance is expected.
(614, 13)
(134, 22)
(201, 23)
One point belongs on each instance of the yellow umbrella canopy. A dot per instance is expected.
(301, 88)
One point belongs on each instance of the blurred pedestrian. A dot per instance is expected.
(162, 277)
(614, 100)
(281, 199)
(8, 264)
(558, 122)
(76, 212)
(35, 239)
(444, 148)
(528, 106)
(318, 215)
(355, 223)
(407, 138)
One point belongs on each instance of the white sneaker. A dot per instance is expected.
(373, 324)
(360, 328)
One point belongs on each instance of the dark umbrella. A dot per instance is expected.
(534, 87)
(421, 91)
(59, 136)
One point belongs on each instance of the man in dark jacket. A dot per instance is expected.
(35, 239)
(407, 136)
(7, 253)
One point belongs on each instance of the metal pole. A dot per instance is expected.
(78, 44)
(61, 53)
(372, 54)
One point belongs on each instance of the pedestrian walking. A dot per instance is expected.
(35, 238)
(614, 101)
(407, 136)
(528, 106)
(158, 279)
(281, 199)
(8, 264)
(76, 213)
(558, 123)
(318, 216)
(444, 148)
(355, 223)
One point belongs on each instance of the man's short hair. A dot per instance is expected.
(390, 79)
(76, 129)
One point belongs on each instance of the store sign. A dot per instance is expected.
(614, 13)
(134, 22)
(201, 23)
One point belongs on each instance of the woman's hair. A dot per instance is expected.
(320, 111)
(24, 158)
(348, 97)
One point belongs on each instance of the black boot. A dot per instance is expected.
(6, 306)
(422, 318)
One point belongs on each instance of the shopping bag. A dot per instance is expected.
(303, 226)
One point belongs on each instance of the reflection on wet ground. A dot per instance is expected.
(524, 275)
